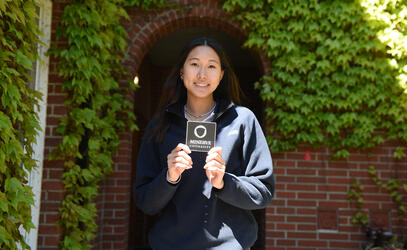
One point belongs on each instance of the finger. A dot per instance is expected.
(181, 147)
(214, 164)
(214, 168)
(215, 156)
(215, 149)
(181, 165)
(171, 157)
(184, 155)
(184, 147)
(182, 160)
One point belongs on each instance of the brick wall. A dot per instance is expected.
(310, 209)
(52, 188)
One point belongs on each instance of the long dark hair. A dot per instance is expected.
(174, 90)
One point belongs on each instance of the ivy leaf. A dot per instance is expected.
(3, 204)
(23, 60)
(399, 153)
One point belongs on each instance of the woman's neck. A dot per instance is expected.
(200, 106)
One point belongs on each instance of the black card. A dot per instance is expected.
(201, 136)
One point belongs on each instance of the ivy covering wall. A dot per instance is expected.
(98, 111)
(19, 123)
(339, 70)
(91, 63)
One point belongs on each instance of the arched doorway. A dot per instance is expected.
(152, 72)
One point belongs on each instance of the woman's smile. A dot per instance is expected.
(201, 85)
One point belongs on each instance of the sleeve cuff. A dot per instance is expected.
(173, 182)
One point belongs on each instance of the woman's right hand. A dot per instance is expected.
(178, 160)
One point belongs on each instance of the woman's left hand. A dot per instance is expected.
(215, 167)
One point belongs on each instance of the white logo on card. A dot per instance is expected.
(196, 131)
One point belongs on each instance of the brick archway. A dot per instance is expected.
(146, 30)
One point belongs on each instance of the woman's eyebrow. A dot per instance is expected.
(211, 60)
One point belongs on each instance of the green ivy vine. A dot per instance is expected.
(339, 70)
(98, 111)
(392, 187)
(19, 123)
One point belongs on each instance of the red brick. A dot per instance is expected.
(55, 196)
(301, 179)
(303, 187)
(285, 210)
(336, 197)
(295, 156)
(270, 226)
(288, 179)
(311, 164)
(279, 171)
(51, 240)
(377, 197)
(52, 185)
(333, 236)
(285, 242)
(326, 172)
(344, 245)
(277, 218)
(285, 163)
(318, 196)
(301, 219)
(342, 165)
(51, 218)
(285, 194)
(48, 229)
(301, 172)
(363, 158)
(306, 210)
(306, 227)
(334, 180)
(301, 235)
(333, 204)
(332, 188)
(312, 243)
(285, 227)
(278, 202)
(301, 203)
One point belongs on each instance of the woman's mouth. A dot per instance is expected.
(201, 84)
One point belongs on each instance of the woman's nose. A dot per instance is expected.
(201, 73)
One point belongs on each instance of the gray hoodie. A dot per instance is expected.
(192, 214)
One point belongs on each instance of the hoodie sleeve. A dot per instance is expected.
(152, 191)
(255, 189)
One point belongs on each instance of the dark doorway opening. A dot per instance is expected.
(152, 74)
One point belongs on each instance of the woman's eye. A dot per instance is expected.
(194, 64)
(212, 66)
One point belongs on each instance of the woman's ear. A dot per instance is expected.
(221, 75)
(181, 74)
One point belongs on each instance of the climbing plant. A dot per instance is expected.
(97, 110)
(338, 73)
(376, 236)
(19, 123)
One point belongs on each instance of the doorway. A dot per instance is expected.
(153, 71)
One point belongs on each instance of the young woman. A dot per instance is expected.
(204, 199)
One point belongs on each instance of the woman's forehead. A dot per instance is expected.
(203, 52)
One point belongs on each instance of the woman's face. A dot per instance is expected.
(201, 72)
